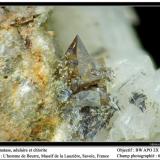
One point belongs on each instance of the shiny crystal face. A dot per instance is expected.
(83, 92)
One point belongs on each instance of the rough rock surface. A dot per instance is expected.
(51, 93)
(26, 60)
(39, 91)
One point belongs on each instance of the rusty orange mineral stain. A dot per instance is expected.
(47, 122)
(10, 130)
(37, 72)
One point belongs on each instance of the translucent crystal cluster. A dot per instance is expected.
(84, 99)
(135, 88)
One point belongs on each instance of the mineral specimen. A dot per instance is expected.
(87, 108)
(26, 60)
(133, 68)
(46, 95)
(39, 91)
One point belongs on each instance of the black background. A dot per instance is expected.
(149, 30)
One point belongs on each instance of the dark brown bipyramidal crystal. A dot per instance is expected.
(85, 99)
(83, 71)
